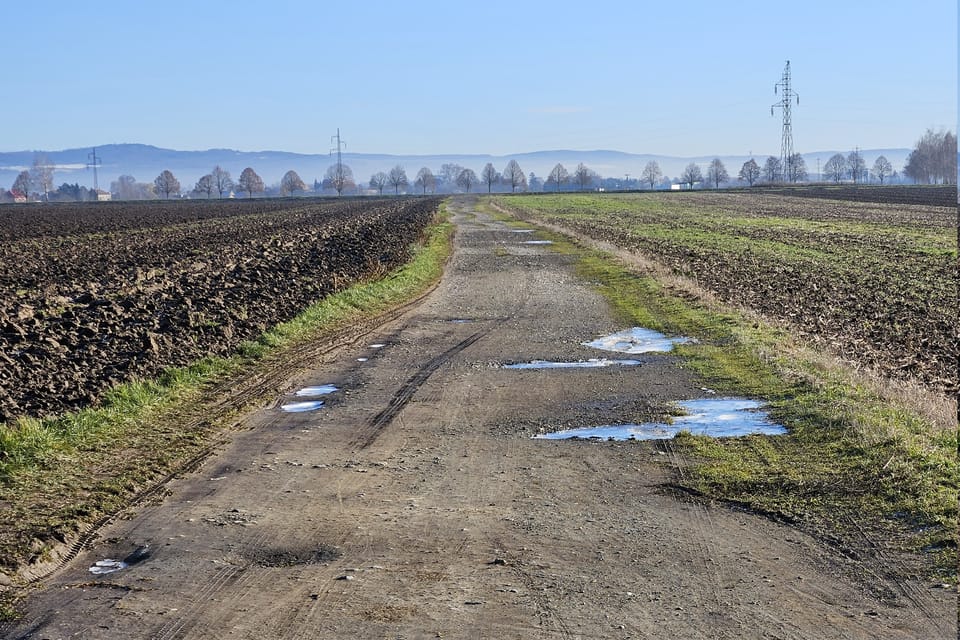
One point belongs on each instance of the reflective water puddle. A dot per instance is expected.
(521, 230)
(588, 364)
(636, 340)
(102, 567)
(300, 407)
(715, 417)
(377, 346)
(322, 390)
(537, 242)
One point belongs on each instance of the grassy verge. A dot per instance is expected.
(855, 468)
(58, 473)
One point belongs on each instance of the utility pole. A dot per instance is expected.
(340, 178)
(786, 142)
(92, 163)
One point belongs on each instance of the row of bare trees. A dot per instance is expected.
(933, 159)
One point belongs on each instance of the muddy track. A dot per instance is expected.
(415, 503)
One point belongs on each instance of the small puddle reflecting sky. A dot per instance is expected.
(588, 364)
(715, 417)
(300, 407)
(538, 242)
(322, 390)
(636, 340)
(103, 567)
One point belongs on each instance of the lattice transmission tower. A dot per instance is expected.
(787, 96)
(93, 161)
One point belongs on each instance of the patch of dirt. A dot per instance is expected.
(451, 521)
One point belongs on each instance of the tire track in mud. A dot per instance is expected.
(372, 431)
(701, 523)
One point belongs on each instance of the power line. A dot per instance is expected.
(786, 101)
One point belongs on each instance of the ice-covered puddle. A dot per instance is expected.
(103, 567)
(636, 340)
(301, 407)
(587, 364)
(715, 417)
(320, 390)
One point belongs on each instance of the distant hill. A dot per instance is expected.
(145, 162)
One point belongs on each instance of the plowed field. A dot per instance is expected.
(876, 282)
(93, 295)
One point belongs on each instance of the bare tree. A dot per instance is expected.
(856, 167)
(425, 179)
(933, 159)
(250, 182)
(835, 168)
(772, 169)
(558, 177)
(221, 180)
(490, 176)
(691, 175)
(291, 182)
(584, 176)
(651, 174)
(378, 181)
(397, 178)
(882, 168)
(125, 187)
(206, 185)
(796, 168)
(513, 175)
(339, 177)
(41, 174)
(447, 177)
(717, 173)
(166, 184)
(21, 185)
(749, 172)
(467, 179)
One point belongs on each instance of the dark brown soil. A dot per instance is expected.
(94, 295)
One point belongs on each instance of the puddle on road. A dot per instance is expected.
(103, 567)
(301, 407)
(588, 364)
(322, 390)
(537, 242)
(715, 417)
(636, 340)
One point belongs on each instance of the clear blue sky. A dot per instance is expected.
(491, 76)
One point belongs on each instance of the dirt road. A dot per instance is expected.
(414, 503)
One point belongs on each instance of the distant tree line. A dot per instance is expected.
(932, 161)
